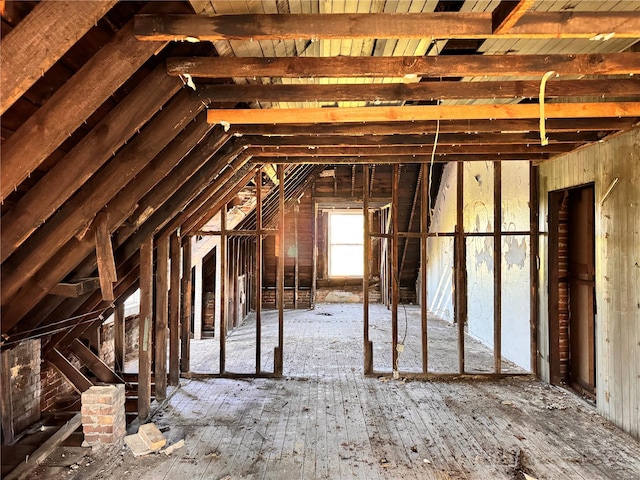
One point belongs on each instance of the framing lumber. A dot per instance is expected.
(368, 345)
(6, 406)
(73, 217)
(161, 313)
(460, 265)
(185, 350)
(395, 274)
(39, 41)
(119, 336)
(441, 25)
(406, 67)
(567, 125)
(422, 91)
(258, 270)
(279, 350)
(75, 168)
(497, 267)
(40, 455)
(145, 329)
(76, 251)
(75, 377)
(104, 255)
(76, 288)
(534, 265)
(507, 14)
(425, 215)
(174, 311)
(93, 362)
(390, 160)
(74, 102)
(425, 139)
(224, 276)
(403, 150)
(419, 113)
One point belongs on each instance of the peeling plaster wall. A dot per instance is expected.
(478, 217)
(617, 245)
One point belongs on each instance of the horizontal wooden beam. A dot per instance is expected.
(418, 113)
(406, 67)
(439, 25)
(377, 151)
(422, 91)
(517, 125)
(404, 159)
(491, 138)
(76, 288)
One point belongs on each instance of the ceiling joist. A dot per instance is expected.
(408, 67)
(416, 113)
(422, 91)
(438, 25)
(400, 159)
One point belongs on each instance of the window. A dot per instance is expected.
(346, 246)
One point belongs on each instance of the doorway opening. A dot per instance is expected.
(572, 307)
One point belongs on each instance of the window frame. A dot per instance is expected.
(330, 243)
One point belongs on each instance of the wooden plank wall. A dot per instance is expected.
(617, 269)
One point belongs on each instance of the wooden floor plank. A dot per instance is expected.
(325, 420)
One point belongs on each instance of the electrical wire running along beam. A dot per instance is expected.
(435, 25)
(419, 113)
(409, 68)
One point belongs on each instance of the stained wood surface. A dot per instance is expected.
(421, 113)
(326, 420)
(443, 90)
(40, 40)
(444, 25)
(408, 67)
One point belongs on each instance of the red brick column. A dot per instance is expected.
(103, 415)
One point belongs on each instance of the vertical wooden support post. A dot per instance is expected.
(534, 239)
(278, 360)
(460, 266)
(146, 317)
(314, 236)
(174, 311)
(161, 312)
(395, 281)
(185, 349)
(223, 288)
(8, 433)
(296, 274)
(368, 350)
(235, 273)
(119, 336)
(424, 296)
(497, 266)
(258, 270)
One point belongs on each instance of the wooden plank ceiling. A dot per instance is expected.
(105, 143)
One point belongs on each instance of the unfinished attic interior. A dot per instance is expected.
(320, 239)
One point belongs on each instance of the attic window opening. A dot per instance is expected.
(346, 244)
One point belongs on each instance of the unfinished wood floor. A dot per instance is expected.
(328, 421)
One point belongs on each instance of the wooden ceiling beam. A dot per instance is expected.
(625, 63)
(351, 26)
(419, 139)
(393, 159)
(37, 42)
(376, 151)
(76, 288)
(74, 102)
(422, 91)
(418, 113)
(519, 125)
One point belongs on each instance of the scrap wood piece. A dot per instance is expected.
(106, 261)
(37, 457)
